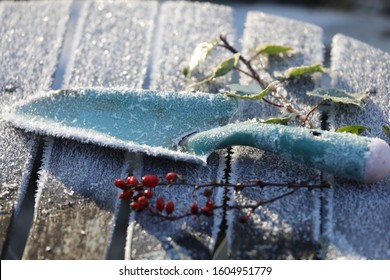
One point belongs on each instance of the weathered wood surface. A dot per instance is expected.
(146, 44)
(31, 37)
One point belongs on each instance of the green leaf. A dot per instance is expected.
(222, 69)
(283, 120)
(271, 49)
(186, 71)
(386, 130)
(354, 129)
(245, 89)
(199, 55)
(301, 70)
(226, 66)
(339, 96)
(249, 92)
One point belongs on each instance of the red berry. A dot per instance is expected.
(169, 207)
(127, 194)
(243, 219)
(194, 209)
(135, 206)
(160, 204)
(143, 202)
(171, 177)
(210, 204)
(148, 194)
(150, 181)
(207, 192)
(207, 211)
(119, 183)
(132, 181)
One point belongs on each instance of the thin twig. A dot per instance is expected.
(314, 109)
(257, 183)
(253, 207)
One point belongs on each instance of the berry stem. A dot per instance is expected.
(255, 183)
(252, 207)
(142, 194)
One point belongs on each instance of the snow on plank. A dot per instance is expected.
(182, 26)
(289, 227)
(31, 37)
(358, 215)
(76, 198)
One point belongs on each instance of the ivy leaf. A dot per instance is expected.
(386, 130)
(249, 92)
(271, 49)
(226, 66)
(339, 96)
(354, 129)
(199, 56)
(301, 70)
(283, 120)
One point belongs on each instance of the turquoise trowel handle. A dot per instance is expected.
(360, 158)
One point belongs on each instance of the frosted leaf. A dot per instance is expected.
(249, 92)
(354, 129)
(386, 130)
(284, 120)
(226, 66)
(272, 49)
(302, 70)
(222, 69)
(245, 89)
(199, 55)
(339, 96)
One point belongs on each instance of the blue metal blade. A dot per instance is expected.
(141, 120)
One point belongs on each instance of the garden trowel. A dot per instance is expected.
(190, 126)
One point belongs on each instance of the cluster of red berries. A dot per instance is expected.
(140, 194)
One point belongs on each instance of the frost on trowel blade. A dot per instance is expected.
(142, 120)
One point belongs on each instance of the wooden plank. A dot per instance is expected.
(182, 25)
(76, 198)
(31, 37)
(358, 215)
(289, 227)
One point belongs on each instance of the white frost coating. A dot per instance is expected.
(77, 35)
(378, 161)
(43, 171)
(86, 135)
(31, 37)
(90, 136)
